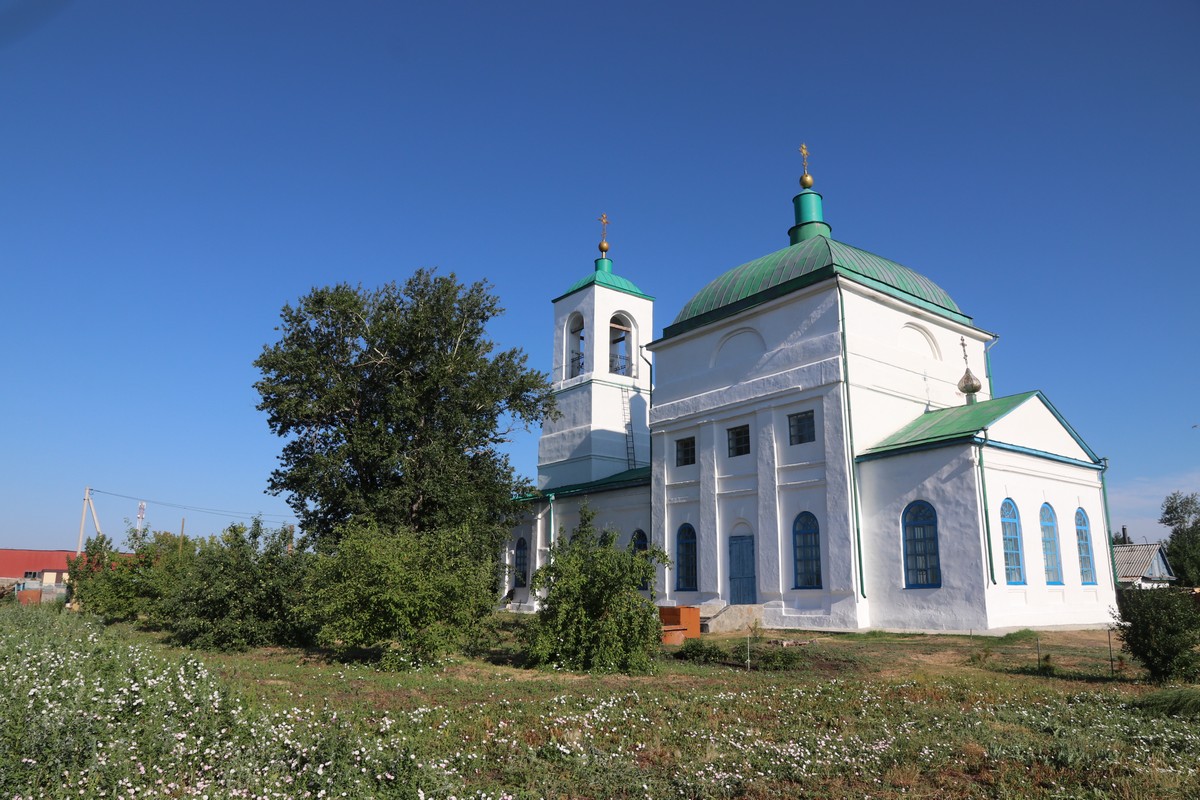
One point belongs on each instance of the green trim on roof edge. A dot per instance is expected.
(638, 476)
(800, 265)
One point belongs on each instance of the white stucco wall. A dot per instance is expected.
(946, 478)
(753, 354)
(903, 361)
(588, 440)
(1031, 481)
(755, 369)
(1033, 425)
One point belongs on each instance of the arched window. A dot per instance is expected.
(685, 559)
(922, 566)
(1010, 524)
(641, 545)
(1050, 550)
(806, 549)
(1083, 536)
(576, 346)
(521, 563)
(620, 346)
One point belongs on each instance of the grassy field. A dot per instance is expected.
(874, 715)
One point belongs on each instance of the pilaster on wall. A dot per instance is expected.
(659, 534)
(768, 539)
(709, 530)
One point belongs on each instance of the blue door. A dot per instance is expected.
(741, 571)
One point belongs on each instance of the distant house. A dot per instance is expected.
(40, 574)
(1142, 566)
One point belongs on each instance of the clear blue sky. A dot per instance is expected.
(174, 173)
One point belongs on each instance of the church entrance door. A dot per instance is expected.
(741, 571)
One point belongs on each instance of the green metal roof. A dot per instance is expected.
(947, 424)
(803, 264)
(638, 476)
(960, 423)
(604, 277)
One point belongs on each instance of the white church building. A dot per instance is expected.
(811, 451)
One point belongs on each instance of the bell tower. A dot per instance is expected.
(600, 378)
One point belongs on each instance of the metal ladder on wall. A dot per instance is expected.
(630, 455)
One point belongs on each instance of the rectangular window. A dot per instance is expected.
(801, 428)
(685, 451)
(739, 441)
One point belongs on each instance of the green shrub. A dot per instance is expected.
(771, 658)
(240, 589)
(1160, 628)
(407, 596)
(594, 616)
(104, 581)
(701, 651)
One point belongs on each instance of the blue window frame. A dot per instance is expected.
(922, 565)
(1083, 536)
(685, 559)
(521, 563)
(1010, 524)
(806, 550)
(1050, 551)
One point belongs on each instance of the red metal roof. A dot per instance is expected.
(15, 563)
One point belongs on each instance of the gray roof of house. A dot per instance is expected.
(1135, 560)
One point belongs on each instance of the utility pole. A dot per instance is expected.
(87, 505)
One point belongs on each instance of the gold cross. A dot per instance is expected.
(603, 220)
(804, 152)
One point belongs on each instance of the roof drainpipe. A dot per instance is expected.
(1112, 556)
(987, 519)
(987, 363)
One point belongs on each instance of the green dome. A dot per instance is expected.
(803, 264)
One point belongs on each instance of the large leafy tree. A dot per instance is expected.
(1181, 513)
(393, 403)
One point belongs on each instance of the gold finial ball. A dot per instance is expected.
(806, 181)
(603, 246)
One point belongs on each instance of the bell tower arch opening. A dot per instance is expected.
(576, 346)
(621, 347)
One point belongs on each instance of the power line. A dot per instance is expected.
(202, 510)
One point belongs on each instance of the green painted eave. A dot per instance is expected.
(963, 423)
(638, 476)
(804, 264)
(608, 280)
